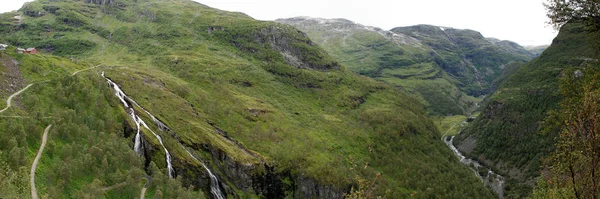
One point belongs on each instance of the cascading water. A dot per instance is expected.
(169, 166)
(138, 121)
(214, 181)
(491, 179)
(137, 147)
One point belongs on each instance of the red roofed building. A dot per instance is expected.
(32, 51)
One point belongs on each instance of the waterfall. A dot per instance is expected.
(214, 181)
(493, 180)
(169, 166)
(138, 121)
(137, 147)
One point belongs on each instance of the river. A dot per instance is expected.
(487, 176)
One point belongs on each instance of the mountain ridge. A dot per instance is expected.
(226, 87)
(407, 59)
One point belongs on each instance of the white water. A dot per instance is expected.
(137, 147)
(138, 121)
(493, 180)
(214, 181)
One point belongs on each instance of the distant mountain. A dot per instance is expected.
(188, 101)
(507, 134)
(467, 55)
(536, 50)
(445, 68)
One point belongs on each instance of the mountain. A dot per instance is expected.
(445, 68)
(187, 101)
(536, 50)
(507, 134)
(466, 55)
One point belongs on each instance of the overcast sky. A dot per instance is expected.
(522, 21)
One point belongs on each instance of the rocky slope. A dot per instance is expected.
(507, 134)
(443, 67)
(268, 111)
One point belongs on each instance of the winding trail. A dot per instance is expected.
(75, 73)
(114, 186)
(34, 194)
(148, 182)
(8, 101)
(446, 133)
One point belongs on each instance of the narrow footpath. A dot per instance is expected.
(34, 194)
(8, 101)
(148, 182)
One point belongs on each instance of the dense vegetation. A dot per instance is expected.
(507, 132)
(235, 90)
(86, 151)
(446, 69)
(572, 169)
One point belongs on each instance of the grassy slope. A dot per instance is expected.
(84, 152)
(466, 55)
(406, 65)
(437, 69)
(507, 130)
(185, 75)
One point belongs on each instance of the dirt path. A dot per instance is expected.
(448, 131)
(114, 186)
(34, 194)
(148, 182)
(8, 101)
(75, 73)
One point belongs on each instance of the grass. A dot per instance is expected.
(444, 81)
(451, 125)
(304, 122)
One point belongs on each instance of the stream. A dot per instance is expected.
(487, 176)
(214, 181)
(138, 121)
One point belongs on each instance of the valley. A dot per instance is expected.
(176, 99)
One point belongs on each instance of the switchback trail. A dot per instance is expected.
(34, 194)
(8, 101)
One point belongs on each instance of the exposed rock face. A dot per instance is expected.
(259, 178)
(309, 188)
(280, 40)
(12, 77)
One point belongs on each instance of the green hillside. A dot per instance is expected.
(446, 69)
(467, 56)
(506, 134)
(268, 111)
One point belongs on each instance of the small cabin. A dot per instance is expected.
(20, 50)
(32, 51)
(3, 46)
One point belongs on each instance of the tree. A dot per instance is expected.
(574, 166)
(563, 11)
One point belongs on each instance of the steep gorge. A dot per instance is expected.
(507, 135)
